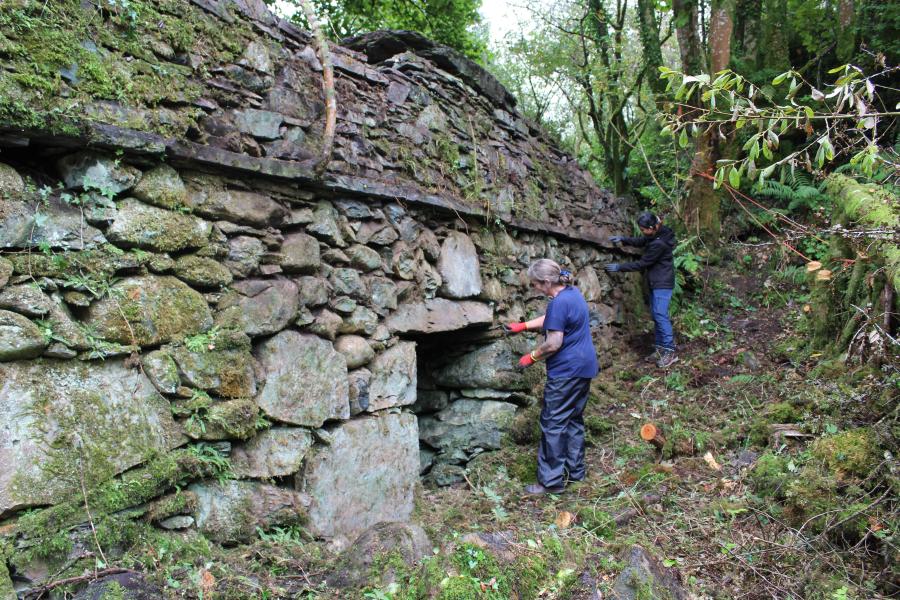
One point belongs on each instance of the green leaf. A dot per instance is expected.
(734, 178)
(837, 69)
(809, 112)
(683, 138)
(765, 173)
(767, 152)
(780, 78)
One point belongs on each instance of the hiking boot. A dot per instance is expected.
(652, 357)
(666, 359)
(536, 489)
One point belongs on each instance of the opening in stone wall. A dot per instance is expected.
(468, 395)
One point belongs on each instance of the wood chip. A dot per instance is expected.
(708, 457)
(565, 519)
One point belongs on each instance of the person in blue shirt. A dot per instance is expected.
(571, 364)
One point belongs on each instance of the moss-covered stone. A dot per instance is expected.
(70, 424)
(853, 453)
(19, 337)
(163, 187)
(149, 310)
(770, 475)
(233, 419)
(202, 272)
(138, 224)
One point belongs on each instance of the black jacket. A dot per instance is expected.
(657, 258)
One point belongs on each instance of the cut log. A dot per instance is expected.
(651, 433)
(779, 433)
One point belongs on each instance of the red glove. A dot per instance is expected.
(515, 327)
(527, 360)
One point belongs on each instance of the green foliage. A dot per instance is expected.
(851, 453)
(454, 23)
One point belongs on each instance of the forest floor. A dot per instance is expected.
(730, 510)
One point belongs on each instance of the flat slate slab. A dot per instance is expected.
(366, 475)
(61, 419)
(439, 314)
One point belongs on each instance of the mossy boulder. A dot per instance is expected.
(151, 228)
(770, 475)
(19, 337)
(259, 306)
(162, 371)
(849, 454)
(90, 170)
(63, 420)
(163, 187)
(305, 380)
(223, 372)
(232, 419)
(383, 452)
(202, 272)
(149, 310)
(232, 511)
(275, 452)
(11, 184)
(6, 270)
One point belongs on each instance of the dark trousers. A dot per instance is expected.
(562, 431)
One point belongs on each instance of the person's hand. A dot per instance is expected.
(526, 361)
(616, 239)
(515, 327)
(612, 267)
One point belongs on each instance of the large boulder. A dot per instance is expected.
(55, 224)
(366, 475)
(377, 544)
(202, 272)
(491, 366)
(125, 586)
(300, 253)
(157, 309)
(437, 315)
(393, 381)
(144, 226)
(305, 380)
(61, 421)
(161, 186)
(230, 512)
(275, 452)
(19, 337)
(226, 372)
(28, 300)
(89, 170)
(467, 425)
(250, 208)
(458, 266)
(356, 350)
(244, 254)
(263, 306)
(644, 576)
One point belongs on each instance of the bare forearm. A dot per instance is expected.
(549, 346)
(535, 324)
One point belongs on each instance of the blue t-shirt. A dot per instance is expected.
(568, 312)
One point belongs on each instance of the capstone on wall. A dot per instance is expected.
(161, 289)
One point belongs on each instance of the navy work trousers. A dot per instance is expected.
(562, 431)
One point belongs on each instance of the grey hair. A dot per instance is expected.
(548, 271)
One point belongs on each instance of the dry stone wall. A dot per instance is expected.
(192, 285)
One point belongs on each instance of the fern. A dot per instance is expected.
(797, 193)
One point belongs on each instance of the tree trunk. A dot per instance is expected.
(747, 31)
(701, 206)
(687, 31)
(650, 44)
(846, 44)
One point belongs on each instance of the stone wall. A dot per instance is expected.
(185, 283)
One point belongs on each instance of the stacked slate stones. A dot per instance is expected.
(186, 282)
